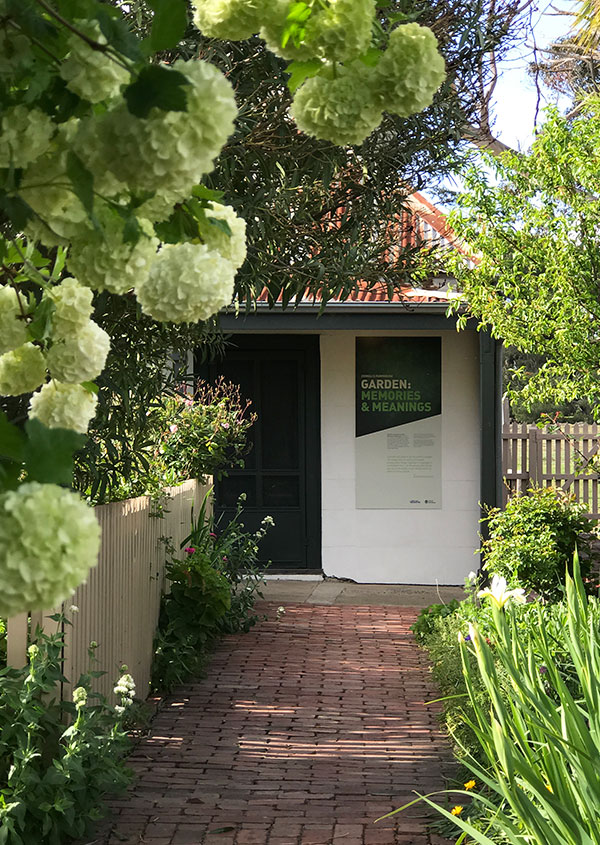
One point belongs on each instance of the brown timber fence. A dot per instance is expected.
(118, 606)
(533, 456)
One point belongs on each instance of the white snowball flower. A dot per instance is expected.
(340, 109)
(104, 262)
(73, 304)
(49, 540)
(233, 246)
(47, 189)
(59, 405)
(78, 357)
(22, 370)
(169, 152)
(90, 73)
(13, 329)
(187, 282)
(410, 71)
(229, 20)
(25, 135)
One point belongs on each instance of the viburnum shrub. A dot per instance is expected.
(103, 149)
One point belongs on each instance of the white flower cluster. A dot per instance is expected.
(26, 135)
(59, 405)
(410, 70)
(340, 110)
(78, 357)
(104, 262)
(89, 72)
(13, 329)
(80, 697)
(22, 370)
(73, 306)
(125, 690)
(338, 31)
(49, 540)
(344, 103)
(168, 152)
(231, 20)
(232, 245)
(187, 282)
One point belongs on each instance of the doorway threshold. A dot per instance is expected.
(293, 576)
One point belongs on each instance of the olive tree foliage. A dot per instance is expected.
(533, 230)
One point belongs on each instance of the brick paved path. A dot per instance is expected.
(304, 731)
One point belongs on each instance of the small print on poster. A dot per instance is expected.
(398, 422)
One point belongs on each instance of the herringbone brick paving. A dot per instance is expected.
(304, 732)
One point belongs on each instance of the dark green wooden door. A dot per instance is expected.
(281, 477)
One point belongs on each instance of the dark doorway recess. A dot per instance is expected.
(281, 477)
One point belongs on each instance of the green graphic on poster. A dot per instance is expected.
(398, 380)
(398, 422)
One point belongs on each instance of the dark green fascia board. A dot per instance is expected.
(490, 416)
(341, 316)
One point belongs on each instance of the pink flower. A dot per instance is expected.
(214, 536)
(225, 425)
(189, 402)
(224, 558)
(173, 428)
(190, 550)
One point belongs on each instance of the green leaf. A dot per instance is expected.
(41, 325)
(10, 473)
(118, 34)
(82, 181)
(168, 25)
(17, 211)
(156, 87)
(371, 57)
(90, 386)
(49, 453)
(299, 71)
(223, 225)
(12, 439)
(204, 193)
(131, 230)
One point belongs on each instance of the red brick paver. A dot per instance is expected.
(304, 732)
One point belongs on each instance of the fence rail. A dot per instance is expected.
(533, 456)
(119, 604)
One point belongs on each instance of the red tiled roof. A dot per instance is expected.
(423, 224)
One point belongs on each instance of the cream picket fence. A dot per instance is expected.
(118, 607)
(533, 456)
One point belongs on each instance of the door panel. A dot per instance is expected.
(281, 476)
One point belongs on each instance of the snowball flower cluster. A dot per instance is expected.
(187, 282)
(21, 370)
(168, 152)
(49, 540)
(125, 686)
(59, 405)
(104, 262)
(410, 70)
(231, 246)
(339, 31)
(80, 356)
(73, 306)
(13, 329)
(26, 135)
(231, 20)
(89, 73)
(47, 189)
(340, 110)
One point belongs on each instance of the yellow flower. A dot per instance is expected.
(470, 784)
(456, 811)
(549, 788)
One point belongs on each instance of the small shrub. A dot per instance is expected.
(425, 624)
(57, 759)
(531, 542)
(213, 590)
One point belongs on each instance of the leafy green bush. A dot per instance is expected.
(540, 742)
(425, 624)
(531, 542)
(212, 592)
(57, 759)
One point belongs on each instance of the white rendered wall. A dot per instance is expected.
(401, 546)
